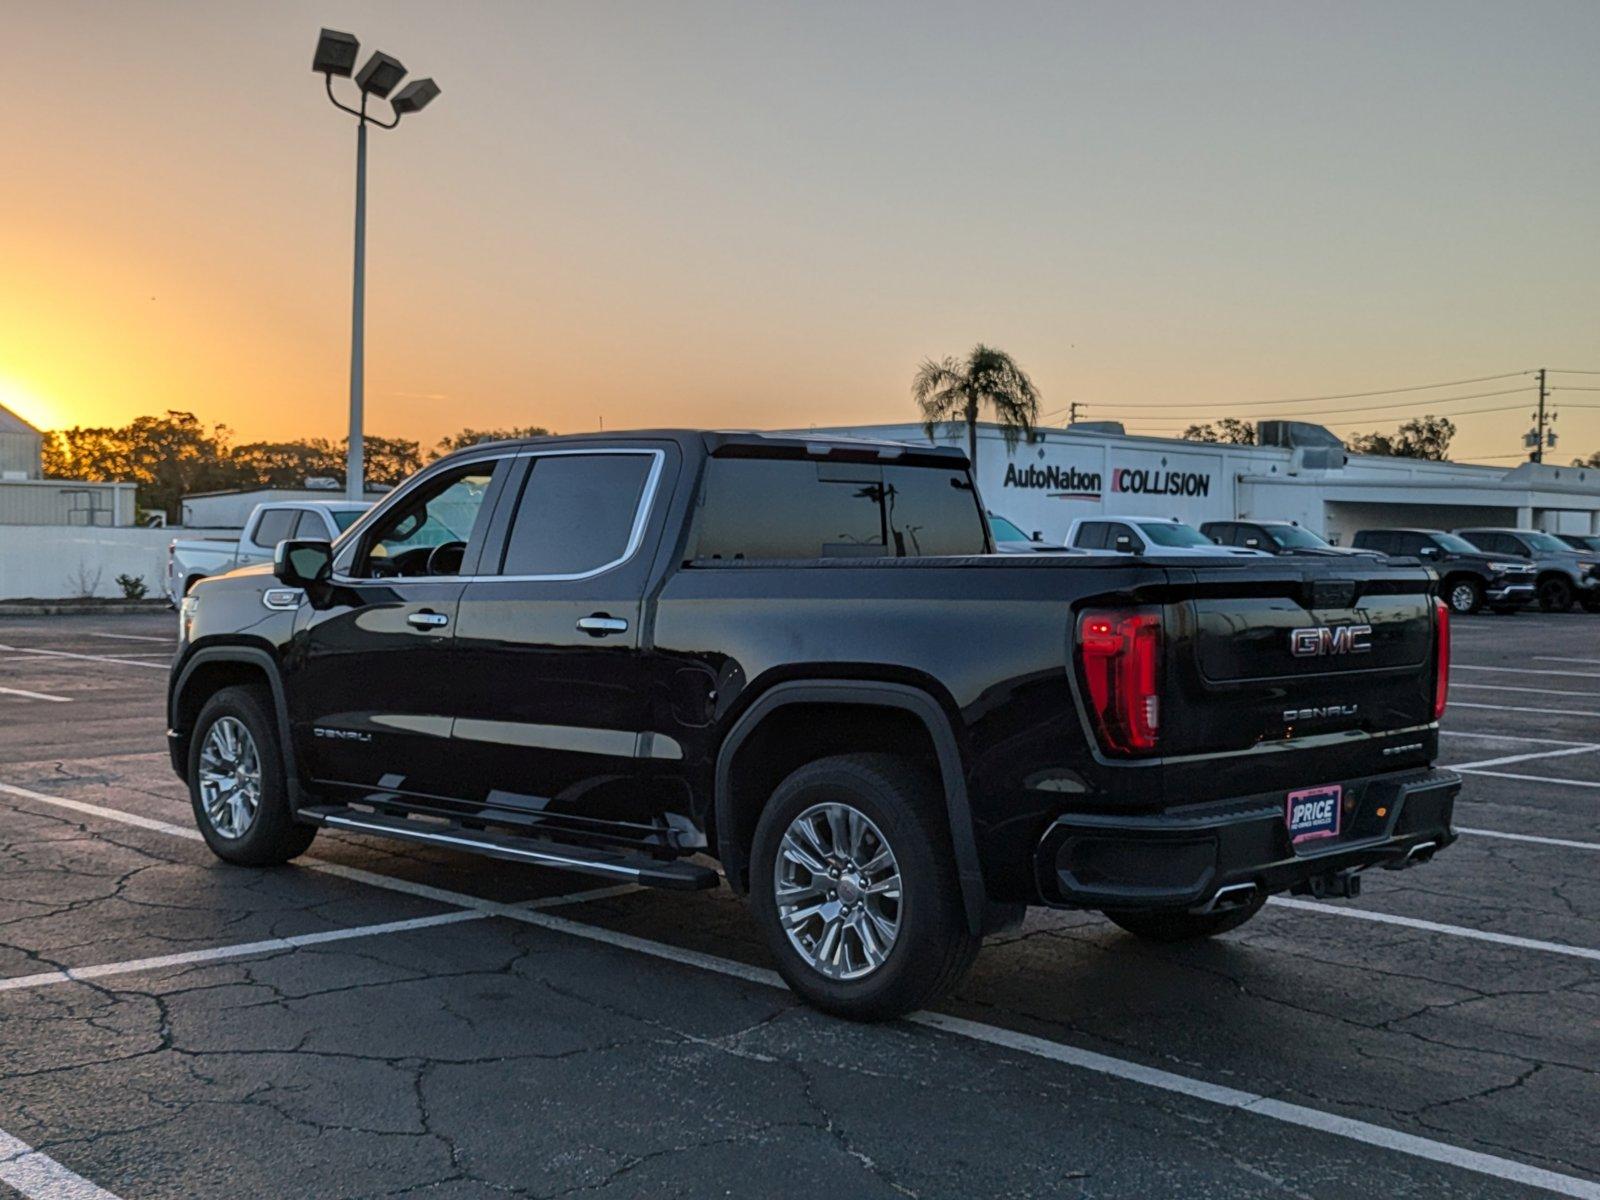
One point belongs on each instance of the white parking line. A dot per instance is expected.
(1526, 671)
(1461, 931)
(1585, 783)
(1508, 737)
(1528, 837)
(1558, 712)
(242, 950)
(133, 637)
(296, 941)
(1516, 758)
(37, 1176)
(1298, 1116)
(5, 691)
(1558, 658)
(1507, 687)
(126, 662)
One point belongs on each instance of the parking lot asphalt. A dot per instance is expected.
(384, 1020)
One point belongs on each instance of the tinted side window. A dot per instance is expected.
(1091, 536)
(576, 514)
(1224, 533)
(309, 525)
(803, 509)
(276, 525)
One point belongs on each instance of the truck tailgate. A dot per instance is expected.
(1297, 675)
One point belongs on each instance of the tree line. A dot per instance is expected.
(177, 454)
(1426, 437)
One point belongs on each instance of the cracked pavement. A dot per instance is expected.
(495, 1058)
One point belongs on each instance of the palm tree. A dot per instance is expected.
(949, 390)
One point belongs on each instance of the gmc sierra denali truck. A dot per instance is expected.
(677, 657)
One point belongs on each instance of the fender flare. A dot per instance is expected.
(280, 704)
(919, 704)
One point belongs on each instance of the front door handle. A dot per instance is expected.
(600, 625)
(427, 619)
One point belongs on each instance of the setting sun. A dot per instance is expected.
(30, 406)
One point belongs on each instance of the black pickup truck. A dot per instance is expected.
(674, 657)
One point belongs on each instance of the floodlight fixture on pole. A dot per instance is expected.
(379, 75)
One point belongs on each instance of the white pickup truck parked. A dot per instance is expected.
(1168, 537)
(192, 559)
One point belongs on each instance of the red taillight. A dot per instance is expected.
(1120, 652)
(1441, 676)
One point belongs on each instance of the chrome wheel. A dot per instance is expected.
(837, 886)
(230, 777)
(1463, 598)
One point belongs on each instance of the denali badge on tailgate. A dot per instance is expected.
(1314, 641)
(1314, 813)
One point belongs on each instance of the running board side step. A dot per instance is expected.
(647, 872)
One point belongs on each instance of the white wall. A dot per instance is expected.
(55, 562)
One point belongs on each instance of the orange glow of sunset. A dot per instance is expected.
(724, 214)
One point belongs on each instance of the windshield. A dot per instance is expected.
(1579, 541)
(1171, 533)
(346, 517)
(1452, 544)
(1004, 531)
(1543, 541)
(1296, 538)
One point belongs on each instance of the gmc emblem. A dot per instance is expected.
(1316, 641)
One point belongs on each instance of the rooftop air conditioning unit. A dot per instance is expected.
(1316, 448)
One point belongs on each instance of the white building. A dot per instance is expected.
(1063, 474)
(27, 498)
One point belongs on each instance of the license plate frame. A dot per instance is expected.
(1304, 817)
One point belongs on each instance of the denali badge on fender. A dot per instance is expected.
(1315, 641)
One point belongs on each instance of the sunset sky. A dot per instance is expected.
(754, 214)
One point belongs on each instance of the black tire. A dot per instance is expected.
(273, 836)
(934, 947)
(1555, 594)
(1463, 594)
(1184, 926)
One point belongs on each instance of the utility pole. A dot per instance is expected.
(1538, 438)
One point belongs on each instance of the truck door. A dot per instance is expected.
(370, 699)
(553, 724)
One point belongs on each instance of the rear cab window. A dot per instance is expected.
(273, 526)
(785, 508)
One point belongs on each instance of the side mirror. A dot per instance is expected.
(1125, 544)
(1428, 552)
(303, 564)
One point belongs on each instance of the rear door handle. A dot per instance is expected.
(599, 625)
(427, 620)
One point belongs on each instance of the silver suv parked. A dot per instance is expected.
(1565, 575)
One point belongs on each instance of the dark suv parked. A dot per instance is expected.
(1469, 578)
(1564, 575)
(630, 654)
(1274, 537)
(1584, 543)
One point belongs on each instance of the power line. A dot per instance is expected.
(1421, 387)
(1365, 408)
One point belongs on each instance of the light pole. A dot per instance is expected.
(336, 55)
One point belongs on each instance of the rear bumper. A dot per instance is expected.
(1186, 857)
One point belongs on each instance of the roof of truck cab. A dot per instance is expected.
(754, 443)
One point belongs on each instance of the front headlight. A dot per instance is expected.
(1498, 567)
